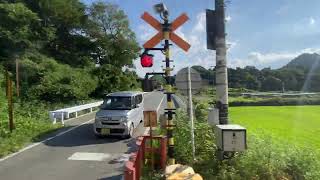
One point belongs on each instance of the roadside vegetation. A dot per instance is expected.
(208, 95)
(69, 53)
(283, 141)
(298, 125)
(267, 157)
(30, 122)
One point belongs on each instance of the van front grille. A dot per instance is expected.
(110, 123)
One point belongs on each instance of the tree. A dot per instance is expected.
(68, 21)
(158, 79)
(272, 84)
(16, 30)
(58, 82)
(252, 82)
(111, 78)
(115, 42)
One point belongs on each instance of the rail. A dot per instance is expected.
(63, 114)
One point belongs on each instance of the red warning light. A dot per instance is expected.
(146, 60)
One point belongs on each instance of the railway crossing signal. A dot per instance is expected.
(165, 28)
(146, 60)
(166, 33)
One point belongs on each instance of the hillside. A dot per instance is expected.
(305, 61)
(300, 74)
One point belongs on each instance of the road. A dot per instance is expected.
(74, 152)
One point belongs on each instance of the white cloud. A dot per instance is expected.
(228, 18)
(180, 33)
(231, 44)
(261, 60)
(312, 21)
(146, 32)
(201, 23)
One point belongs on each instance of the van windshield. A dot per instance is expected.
(117, 103)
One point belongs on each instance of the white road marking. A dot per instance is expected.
(85, 156)
(160, 103)
(48, 139)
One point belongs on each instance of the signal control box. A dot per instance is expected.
(231, 137)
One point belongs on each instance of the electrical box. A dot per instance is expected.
(213, 116)
(231, 137)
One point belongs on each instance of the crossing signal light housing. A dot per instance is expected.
(146, 60)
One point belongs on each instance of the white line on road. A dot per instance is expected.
(160, 103)
(48, 139)
(86, 156)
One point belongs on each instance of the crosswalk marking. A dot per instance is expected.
(86, 156)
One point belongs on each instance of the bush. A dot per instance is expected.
(265, 158)
(31, 121)
(204, 145)
(56, 82)
(200, 111)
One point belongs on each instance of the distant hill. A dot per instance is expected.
(305, 61)
(300, 74)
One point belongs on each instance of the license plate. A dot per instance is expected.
(105, 131)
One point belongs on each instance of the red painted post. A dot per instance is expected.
(140, 144)
(129, 172)
(143, 146)
(139, 164)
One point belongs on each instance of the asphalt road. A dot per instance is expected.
(74, 152)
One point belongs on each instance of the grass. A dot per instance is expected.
(299, 125)
(31, 121)
(272, 152)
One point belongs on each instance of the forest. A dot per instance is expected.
(300, 74)
(65, 50)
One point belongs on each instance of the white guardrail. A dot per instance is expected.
(63, 114)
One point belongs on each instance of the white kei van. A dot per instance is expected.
(120, 114)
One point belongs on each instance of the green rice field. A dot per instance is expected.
(298, 125)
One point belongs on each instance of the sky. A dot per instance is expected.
(261, 33)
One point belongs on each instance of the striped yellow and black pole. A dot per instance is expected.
(168, 91)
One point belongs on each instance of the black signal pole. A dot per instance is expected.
(170, 109)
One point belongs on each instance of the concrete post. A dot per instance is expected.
(191, 112)
(221, 64)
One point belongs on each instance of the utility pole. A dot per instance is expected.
(10, 104)
(190, 107)
(216, 40)
(221, 63)
(17, 78)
